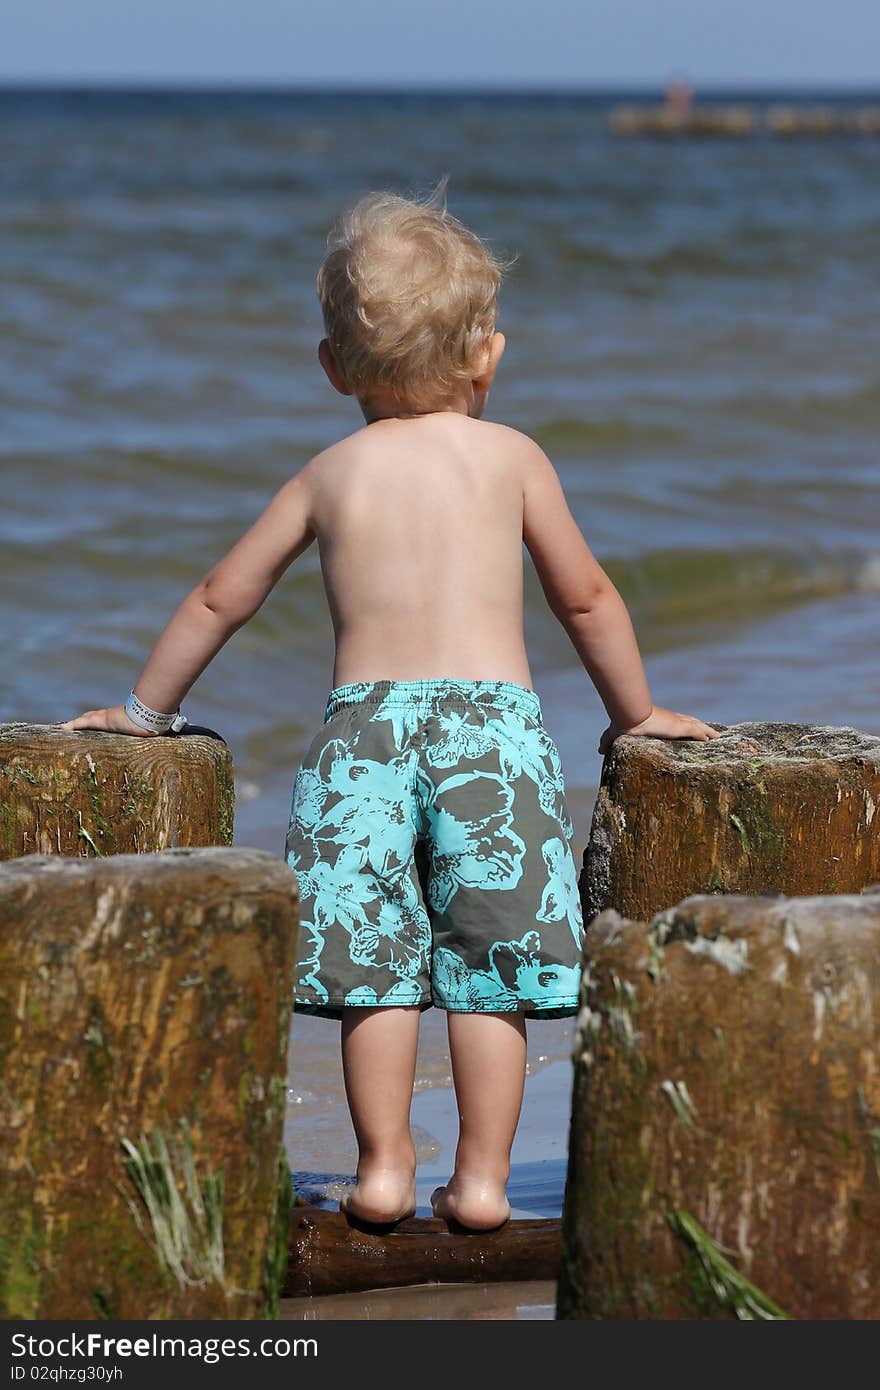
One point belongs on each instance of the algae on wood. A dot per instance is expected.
(727, 1085)
(91, 794)
(765, 808)
(144, 1020)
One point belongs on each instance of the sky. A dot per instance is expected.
(406, 43)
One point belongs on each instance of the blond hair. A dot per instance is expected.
(409, 297)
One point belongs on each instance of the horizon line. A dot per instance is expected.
(424, 87)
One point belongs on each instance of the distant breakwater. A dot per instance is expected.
(742, 121)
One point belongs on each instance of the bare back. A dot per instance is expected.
(419, 523)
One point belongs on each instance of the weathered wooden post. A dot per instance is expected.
(89, 794)
(725, 1138)
(144, 1020)
(766, 808)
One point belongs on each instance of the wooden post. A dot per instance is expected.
(144, 1019)
(725, 1139)
(766, 808)
(90, 794)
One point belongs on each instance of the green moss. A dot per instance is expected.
(244, 1091)
(570, 1298)
(99, 820)
(226, 806)
(759, 833)
(8, 826)
(19, 772)
(275, 1268)
(609, 1182)
(744, 839)
(102, 1305)
(271, 1113)
(765, 820)
(655, 967)
(140, 790)
(20, 1265)
(99, 1059)
(105, 1231)
(86, 835)
(686, 753)
(716, 882)
(34, 1011)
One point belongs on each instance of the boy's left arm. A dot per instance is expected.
(221, 602)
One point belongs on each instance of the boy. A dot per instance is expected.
(429, 830)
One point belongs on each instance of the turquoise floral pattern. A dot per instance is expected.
(516, 970)
(483, 851)
(431, 841)
(560, 899)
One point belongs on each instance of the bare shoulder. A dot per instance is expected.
(534, 471)
(502, 436)
(316, 477)
(339, 451)
(517, 449)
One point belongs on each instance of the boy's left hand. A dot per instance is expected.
(111, 721)
(661, 723)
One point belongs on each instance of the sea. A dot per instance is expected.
(692, 336)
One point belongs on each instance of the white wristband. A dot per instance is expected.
(151, 719)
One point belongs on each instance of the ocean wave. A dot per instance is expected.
(868, 574)
(852, 404)
(702, 586)
(756, 251)
(570, 432)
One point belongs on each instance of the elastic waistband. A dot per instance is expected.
(436, 693)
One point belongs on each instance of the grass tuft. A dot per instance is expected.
(730, 1288)
(185, 1213)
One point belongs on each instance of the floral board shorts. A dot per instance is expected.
(432, 845)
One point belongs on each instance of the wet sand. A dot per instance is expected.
(532, 1300)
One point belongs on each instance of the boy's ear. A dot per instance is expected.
(328, 362)
(486, 376)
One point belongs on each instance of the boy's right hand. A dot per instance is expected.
(661, 723)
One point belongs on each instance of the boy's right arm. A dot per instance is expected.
(228, 595)
(594, 615)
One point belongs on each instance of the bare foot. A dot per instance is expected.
(381, 1197)
(477, 1206)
